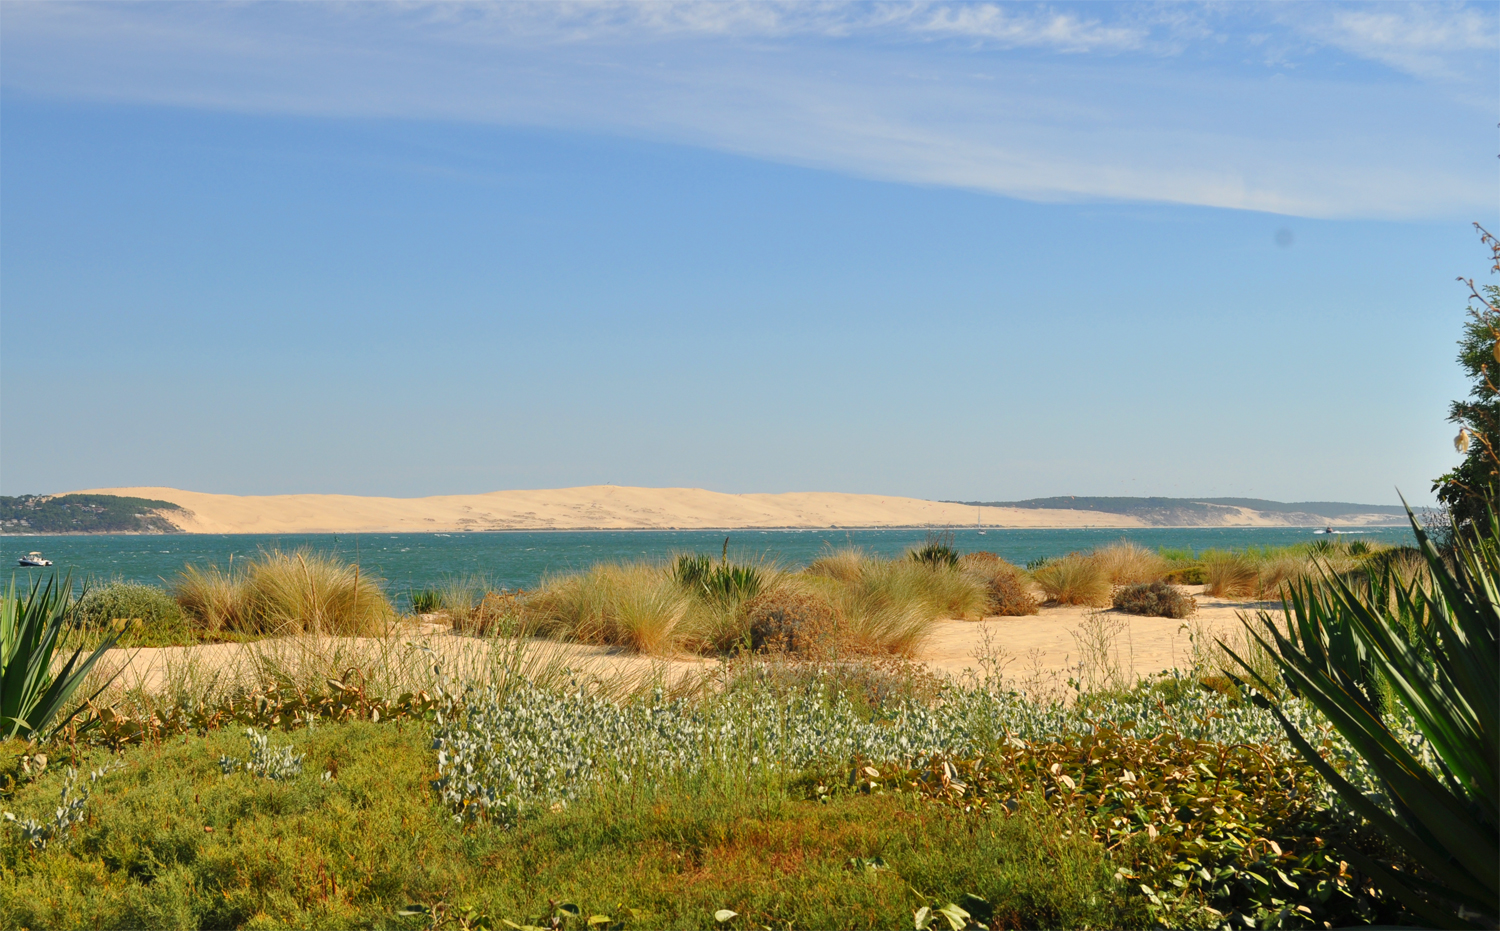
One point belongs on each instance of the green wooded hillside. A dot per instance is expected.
(84, 514)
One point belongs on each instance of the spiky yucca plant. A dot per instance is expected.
(1435, 655)
(32, 696)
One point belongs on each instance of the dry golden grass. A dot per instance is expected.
(638, 606)
(286, 593)
(843, 565)
(312, 593)
(210, 598)
(1127, 563)
(1007, 590)
(1231, 575)
(1075, 579)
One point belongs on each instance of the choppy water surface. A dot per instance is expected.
(517, 559)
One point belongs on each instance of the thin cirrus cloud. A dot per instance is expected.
(1311, 110)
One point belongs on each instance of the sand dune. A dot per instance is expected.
(603, 507)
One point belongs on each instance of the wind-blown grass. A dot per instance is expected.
(639, 606)
(280, 593)
(1074, 579)
(1128, 563)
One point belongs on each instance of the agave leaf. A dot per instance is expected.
(1438, 654)
(32, 696)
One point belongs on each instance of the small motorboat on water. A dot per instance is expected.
(35, 559)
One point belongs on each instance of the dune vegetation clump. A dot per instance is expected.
(1129, 563)
(118, 603)
(1007, 589)
(1155, 599)
(1230, 575)
(279, 593)
(1075, 579)
(212, 599)
(791, 619)
(639, 606)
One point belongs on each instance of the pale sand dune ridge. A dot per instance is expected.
(606, 507)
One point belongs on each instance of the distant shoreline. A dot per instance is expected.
(613, 508)
(932, 527)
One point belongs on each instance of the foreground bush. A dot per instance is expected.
(278, 593)
(786, 619)
(37, 688)
(1157, 599)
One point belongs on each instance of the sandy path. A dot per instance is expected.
(1038, 652)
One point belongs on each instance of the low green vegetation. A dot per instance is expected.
(777, 798)
(85, 514)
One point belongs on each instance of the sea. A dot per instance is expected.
(407, 562)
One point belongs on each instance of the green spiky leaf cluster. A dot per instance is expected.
(32, 695)
(1431, 654)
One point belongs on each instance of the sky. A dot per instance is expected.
(959, 251)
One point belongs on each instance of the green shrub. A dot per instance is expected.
(34, 691)
(1213, 836)
(1193, 574)
(1155, 599)
(119, 604)
(1433, 655)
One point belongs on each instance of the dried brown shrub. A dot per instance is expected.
(1009, 593)
(1155, 599)
(500, 612)
(790, 620)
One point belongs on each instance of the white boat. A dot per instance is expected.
(35, 559)
(979, 521)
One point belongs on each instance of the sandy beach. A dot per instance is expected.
(614, 507)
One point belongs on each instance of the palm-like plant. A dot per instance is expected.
(32, 695)
(1433, 654)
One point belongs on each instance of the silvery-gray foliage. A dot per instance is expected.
(37, 834)
(278, 765)
(502, 752)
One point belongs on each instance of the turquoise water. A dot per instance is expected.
(519, 559)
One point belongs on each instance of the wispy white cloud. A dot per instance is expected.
(1427, 40)
(1041, 102)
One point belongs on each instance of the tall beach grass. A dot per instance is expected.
(281, 593)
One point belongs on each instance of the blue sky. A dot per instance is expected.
(941, 250)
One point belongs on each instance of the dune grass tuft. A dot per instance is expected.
(276, 593)
(1129, 563)
(639, 606)
(1075, 579)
